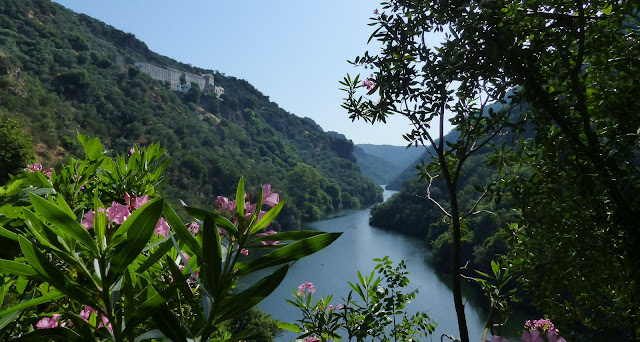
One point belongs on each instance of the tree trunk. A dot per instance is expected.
(457, 277)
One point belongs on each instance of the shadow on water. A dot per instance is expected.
(331, 269)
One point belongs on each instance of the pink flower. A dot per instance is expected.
(269, 198)
(118, 213)
(38, 167)
(162, 228)
(368, 83)
(87, 220)
(140, 201)
(194, 228)
(248, 208)
(33, 168)
(268, 243)
(306, 286)
(137, 201)
(375, 11)
(89, 217)
(222, 232)
(311, 339)
(533, 336)
(224, 204)
(244, 251)
(132, 151)
(86, 312)
(48, 323)
(553, 337)
(340, 306)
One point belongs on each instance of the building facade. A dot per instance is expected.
(164, 74)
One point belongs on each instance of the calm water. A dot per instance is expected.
(330, 269)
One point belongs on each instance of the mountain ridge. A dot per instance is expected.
(59, 79)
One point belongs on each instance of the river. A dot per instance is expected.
(330, 269)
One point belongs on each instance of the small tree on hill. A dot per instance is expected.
(16, 149)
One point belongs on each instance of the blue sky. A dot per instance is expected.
(295, 52)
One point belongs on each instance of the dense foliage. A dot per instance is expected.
(59, 77)
(575, 184)
(103, 258)
(16, 149)
(375, 309)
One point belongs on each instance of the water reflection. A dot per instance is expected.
(330, 269)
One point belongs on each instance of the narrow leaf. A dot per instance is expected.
(63, 222)
(12, 267)
(292, 252)
(266, 219)
(50, 296)
(212, 254)
(181, 231)
(240, 198)
(253, 295)
(169, 324)
(139, 229)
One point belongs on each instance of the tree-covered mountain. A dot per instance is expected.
(382, 163)
(411, 212)
(59, 77)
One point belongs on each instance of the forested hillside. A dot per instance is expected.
(58, 78)
(411, 212)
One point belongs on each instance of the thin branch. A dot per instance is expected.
(433, 200)
(472, 212)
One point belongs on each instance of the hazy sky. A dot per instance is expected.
(295, 52)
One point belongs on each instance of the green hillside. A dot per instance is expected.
(59, 77)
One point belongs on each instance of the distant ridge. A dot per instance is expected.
(382, 163)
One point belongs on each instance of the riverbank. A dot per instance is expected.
(331, 269)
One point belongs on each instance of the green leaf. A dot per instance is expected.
(607, 10)
(181, 282)
(48, 297)
(288, 236)
(52, 273)
(8, 234)
(63, 222)
(12, 267)
(240, 198)
(212, 254)
(292, 252)
(169, 324)
(252, 296)
(266, 219)
(54, 334)
(154, 301)
(289, 327)
(42, 232)
(92, 147)
(181, 231)
(139, 228)
(164, 248)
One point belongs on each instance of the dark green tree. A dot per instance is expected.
(16, 149)
(572, 66)
(428, 85)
